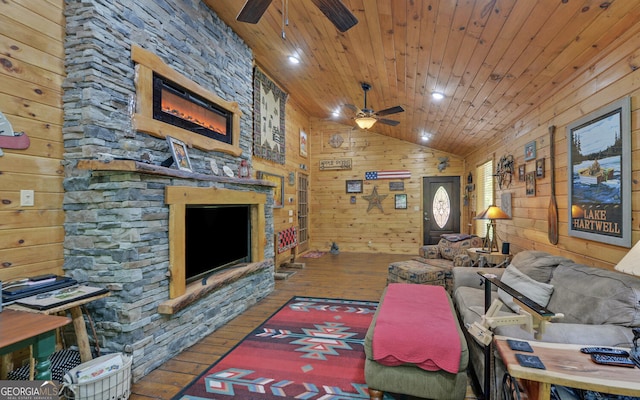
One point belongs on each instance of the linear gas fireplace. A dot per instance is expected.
(180, 107)
(216, 237)
(170, 104)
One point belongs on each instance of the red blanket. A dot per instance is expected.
(415, 325)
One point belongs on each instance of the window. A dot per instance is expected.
(484, 195)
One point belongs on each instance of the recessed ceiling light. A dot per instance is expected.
(437, 95)
(425, 137)
(294, 60)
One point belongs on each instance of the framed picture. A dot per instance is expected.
(396, 186)
(401, 201)
(303, 143)
(530, 183)
(521, 171)
(352, 200)
(354, 186)
(179, 154)
(540, 168)
(530, 151)
(278, 191)
(599, 162)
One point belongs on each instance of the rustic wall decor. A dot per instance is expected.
(530, 183)
(268, 118)
(336, 164)
(540, 168)
(504, 171)
(530, 151)
(354, 186)
(600, 170)
(278, 191)
(375, 199)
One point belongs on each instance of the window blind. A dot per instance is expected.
(484, 196)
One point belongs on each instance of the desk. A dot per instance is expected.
(494, 258)
(78, 321)
(567, 366)
(21, 329)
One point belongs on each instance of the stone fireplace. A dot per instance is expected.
(124, 212)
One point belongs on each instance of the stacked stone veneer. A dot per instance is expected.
(117, 222)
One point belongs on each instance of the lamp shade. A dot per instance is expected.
(365, 122)
(630, 263)
(493, 212)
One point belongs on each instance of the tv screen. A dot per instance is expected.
(216, 237)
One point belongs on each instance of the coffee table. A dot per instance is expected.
(567, 366)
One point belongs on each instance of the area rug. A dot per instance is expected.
(312, 348)
(313, 254)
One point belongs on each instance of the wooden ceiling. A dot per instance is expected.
(493, 59)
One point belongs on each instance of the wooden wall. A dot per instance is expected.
(31, 75)
(610, 76)
(296, 119)
(335, 219)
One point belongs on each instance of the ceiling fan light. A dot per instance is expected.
(437, 95)
(365, 122)
(294, 60)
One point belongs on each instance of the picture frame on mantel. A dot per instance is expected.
(278, 191)
(180, 154)
(599, 162)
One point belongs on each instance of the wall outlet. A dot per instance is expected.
(26, 198)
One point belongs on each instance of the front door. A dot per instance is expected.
(441, 205)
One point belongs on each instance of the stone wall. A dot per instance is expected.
(117, 222)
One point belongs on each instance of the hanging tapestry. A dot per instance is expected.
(268, 118)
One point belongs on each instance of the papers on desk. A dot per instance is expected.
(55, 298)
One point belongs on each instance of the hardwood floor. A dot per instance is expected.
(347, 275)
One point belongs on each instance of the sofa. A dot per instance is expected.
(600, 306)
(435, 262)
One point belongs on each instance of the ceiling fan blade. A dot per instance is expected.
(253, 10)
(392, 110)
(352, 108)
(337, 13)
(388, 122)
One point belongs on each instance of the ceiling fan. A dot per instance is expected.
(337, 13)
(366, 117)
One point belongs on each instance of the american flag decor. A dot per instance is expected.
(395, 174)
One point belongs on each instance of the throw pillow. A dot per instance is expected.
(536, 291)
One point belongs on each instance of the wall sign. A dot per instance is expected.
(600, 170)
(337, 164)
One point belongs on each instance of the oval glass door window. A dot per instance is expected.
(441, 207)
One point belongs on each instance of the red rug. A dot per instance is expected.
(313, 254)
(312, 348)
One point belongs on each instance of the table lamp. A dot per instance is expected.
(492, 214)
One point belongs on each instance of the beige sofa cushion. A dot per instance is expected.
(595, 296)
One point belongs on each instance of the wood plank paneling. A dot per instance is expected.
(336, 219)
(32, 60)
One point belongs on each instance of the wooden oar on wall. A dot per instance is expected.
(553, 206)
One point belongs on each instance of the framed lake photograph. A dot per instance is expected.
(599, 165)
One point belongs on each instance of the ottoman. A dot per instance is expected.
(413, 379)
(414, 271)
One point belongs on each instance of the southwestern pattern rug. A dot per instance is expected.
(312, 348)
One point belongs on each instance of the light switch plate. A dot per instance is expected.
(26, 198)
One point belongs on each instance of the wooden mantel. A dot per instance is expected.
(144, 168)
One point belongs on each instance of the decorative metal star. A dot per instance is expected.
(374, 199)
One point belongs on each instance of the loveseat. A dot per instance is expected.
(600, 306)
(435, 263)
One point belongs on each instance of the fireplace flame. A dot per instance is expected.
(192, 112)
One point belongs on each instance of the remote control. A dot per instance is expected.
(605, 350)
(612, 360)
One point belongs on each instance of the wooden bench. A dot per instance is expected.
(427, 378)
(285, 240)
